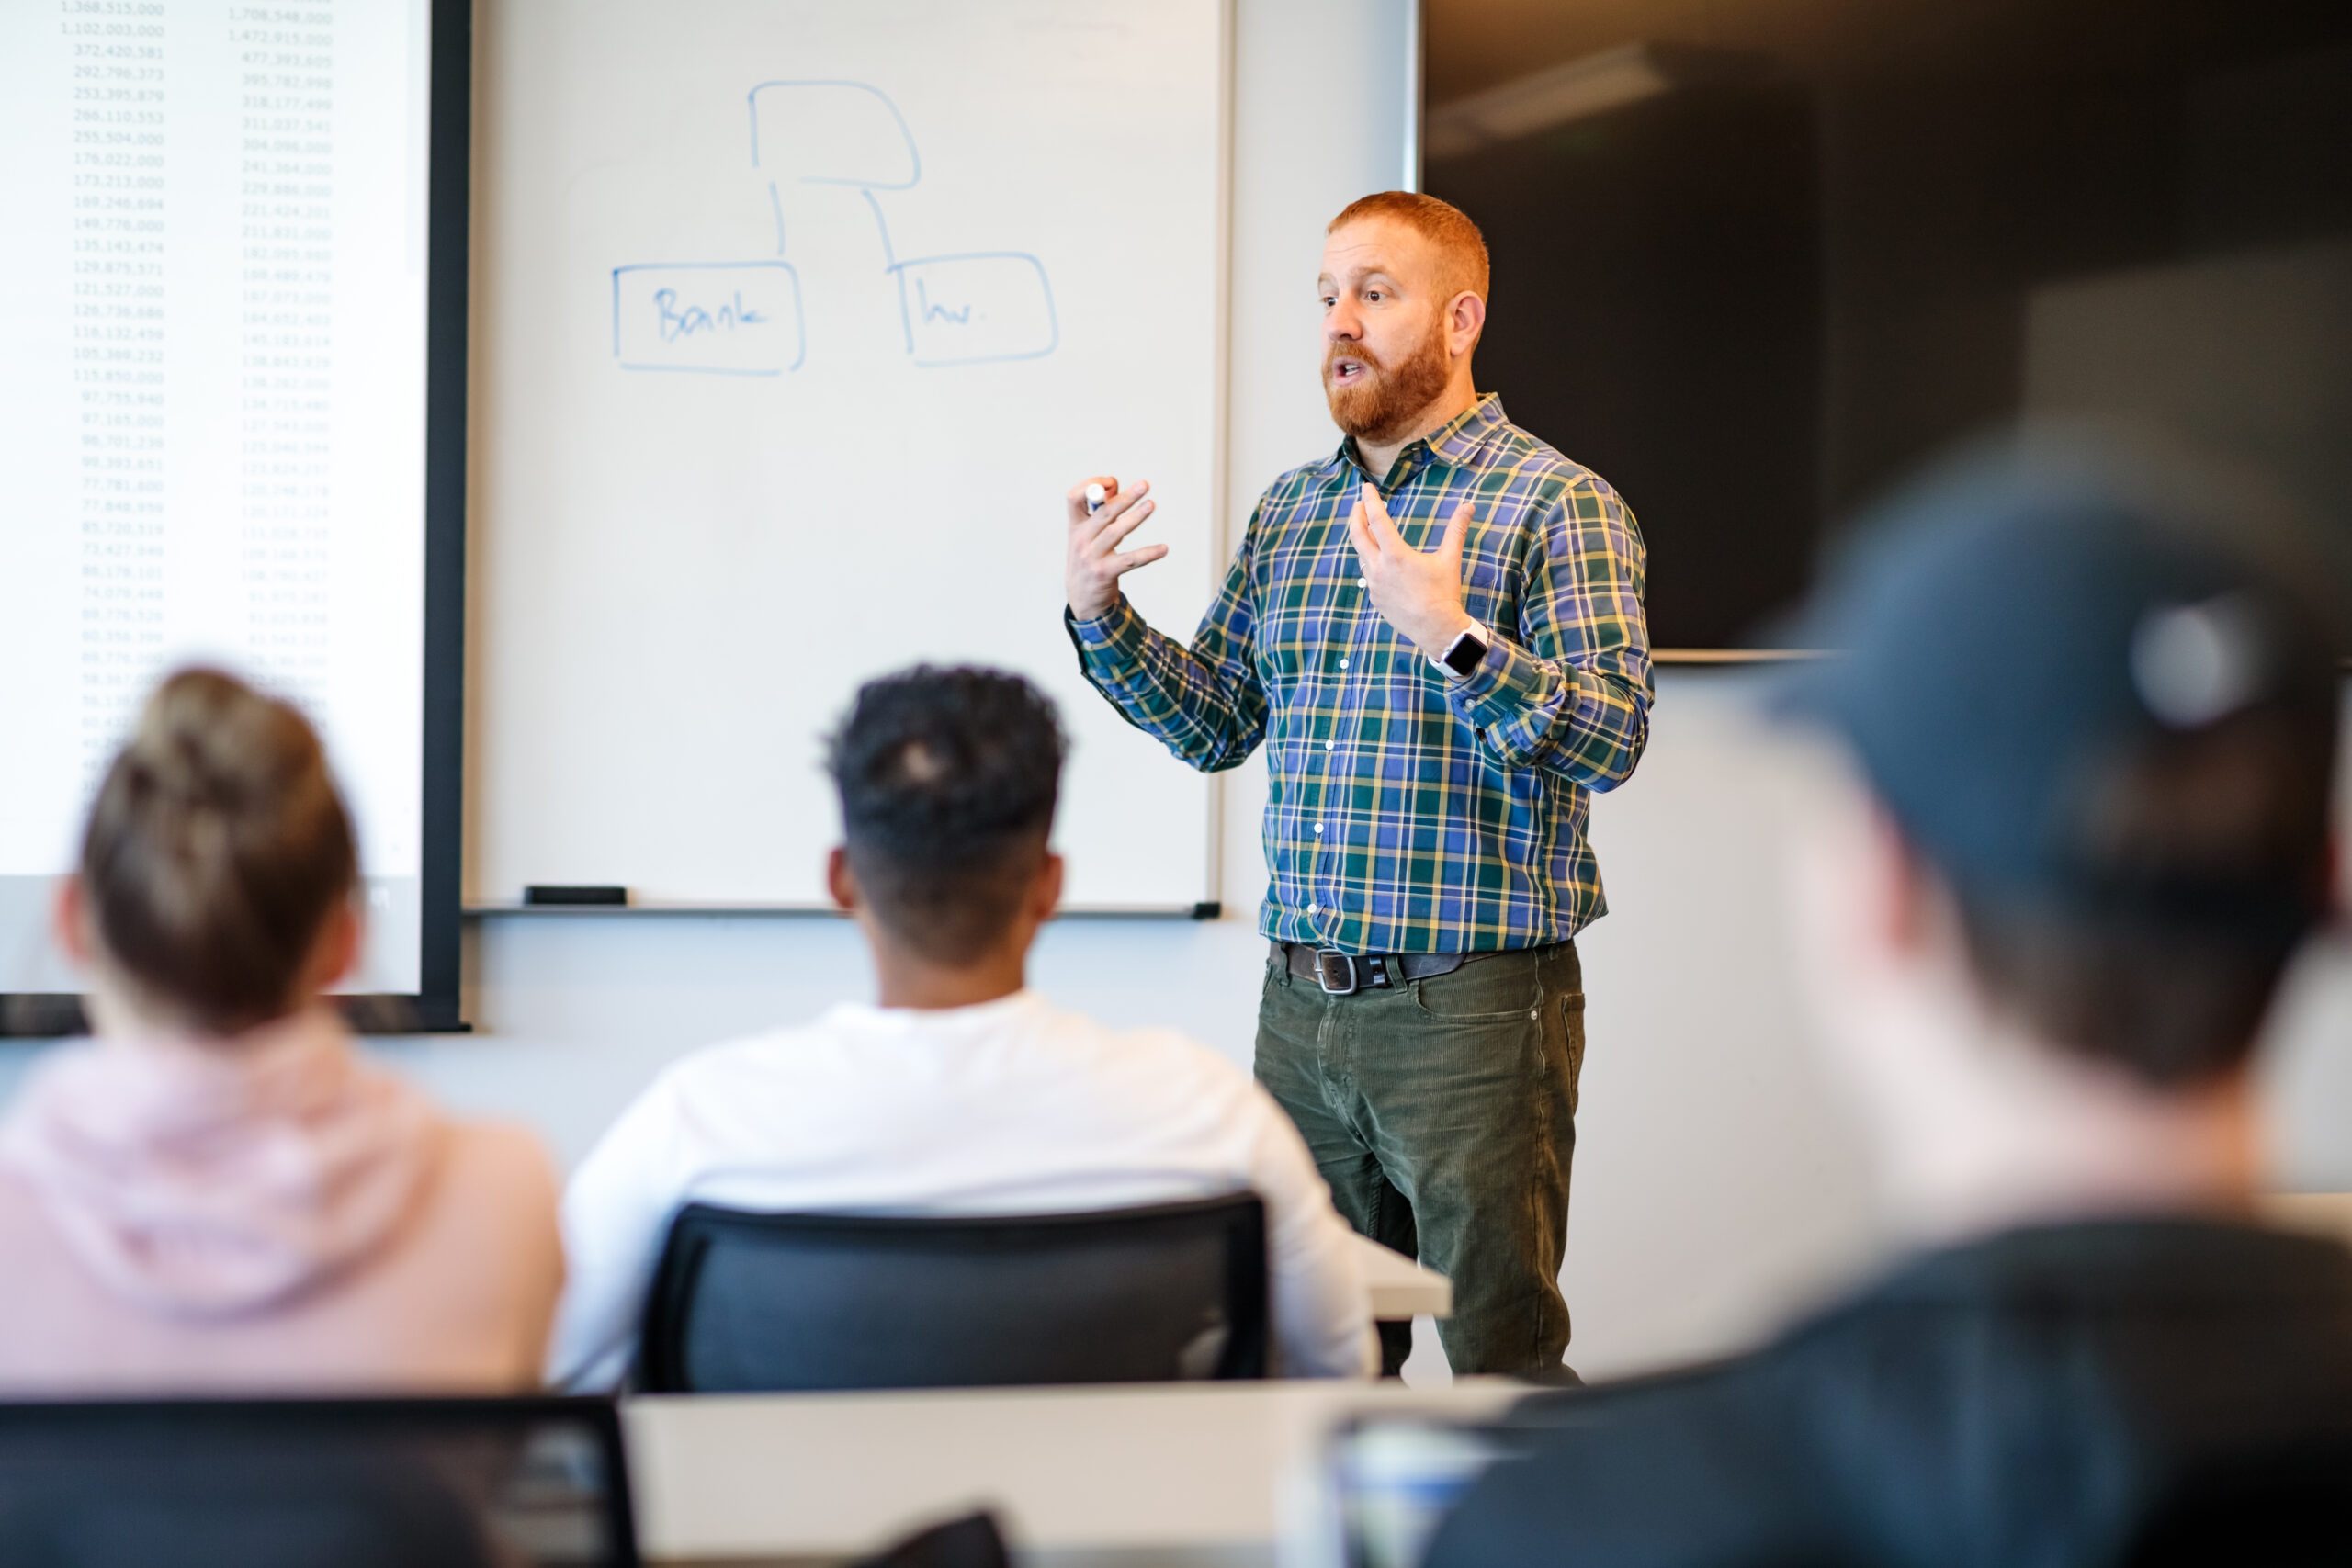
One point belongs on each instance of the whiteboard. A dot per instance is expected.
(793, 320)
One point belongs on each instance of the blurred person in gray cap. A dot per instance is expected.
(2085, 716)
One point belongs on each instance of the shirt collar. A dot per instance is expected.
(1453, 442)
(978, 1018)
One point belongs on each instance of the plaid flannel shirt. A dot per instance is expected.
(1411, 809)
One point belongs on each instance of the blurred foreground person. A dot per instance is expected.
(219, 1192)
(2090, 724)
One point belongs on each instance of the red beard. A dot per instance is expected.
(1382, 403)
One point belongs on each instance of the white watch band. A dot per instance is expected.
(1473, 629)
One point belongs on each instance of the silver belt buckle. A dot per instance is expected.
(1330, 962)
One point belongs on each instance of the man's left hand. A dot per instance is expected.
(1418, 591)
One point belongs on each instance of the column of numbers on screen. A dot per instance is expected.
(116, 53)
(286, 58)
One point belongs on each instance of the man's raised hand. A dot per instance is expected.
(1095, 563)
(1418, 592)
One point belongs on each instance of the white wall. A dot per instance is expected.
(1716, 1181)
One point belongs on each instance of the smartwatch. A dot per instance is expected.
(1464, 655)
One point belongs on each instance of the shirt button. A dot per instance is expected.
(1343, 664)
(1319, 830)
(1329, 745)
(1313, 909)
(1363, 582)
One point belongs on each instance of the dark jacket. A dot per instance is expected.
(2100, 1394)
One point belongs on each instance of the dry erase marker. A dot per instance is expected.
(1095, 496)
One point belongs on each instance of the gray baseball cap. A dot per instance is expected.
(2006, 631)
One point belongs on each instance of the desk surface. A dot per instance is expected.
(1183, 1474)
(1400, 1287)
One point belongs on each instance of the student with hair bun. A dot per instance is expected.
(220, 1191)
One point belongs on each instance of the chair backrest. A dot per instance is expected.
(767, 1302)
(292, 1483)
(973, 1541)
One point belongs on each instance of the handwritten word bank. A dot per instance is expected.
(727, 319)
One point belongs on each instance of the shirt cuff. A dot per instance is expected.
(1507, 683)
(1110, 642)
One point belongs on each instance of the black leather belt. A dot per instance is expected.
(1345, 974)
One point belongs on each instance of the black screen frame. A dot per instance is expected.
(1887, 301)
(433, 1007)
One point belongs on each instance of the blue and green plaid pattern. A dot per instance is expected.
(1411, 811)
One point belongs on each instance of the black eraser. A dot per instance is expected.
(575, 894)
(1207, 910)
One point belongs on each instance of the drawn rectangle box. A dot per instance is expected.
(709, 317)
(972, 309)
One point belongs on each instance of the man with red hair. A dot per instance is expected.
(1437, 633)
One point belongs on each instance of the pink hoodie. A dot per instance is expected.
(270, 1211)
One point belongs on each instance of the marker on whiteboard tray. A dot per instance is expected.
(554, 895)
(1095, 496)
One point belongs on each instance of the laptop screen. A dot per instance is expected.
(361, 1484)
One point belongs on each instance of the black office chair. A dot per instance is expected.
(973, 1541)
(744, 1302)
(303, 1483)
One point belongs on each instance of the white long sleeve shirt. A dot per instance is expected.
(1011, 1107)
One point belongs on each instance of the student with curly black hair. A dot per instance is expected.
(957, 1090)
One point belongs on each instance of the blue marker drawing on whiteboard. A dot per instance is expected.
(960, 315)
(679, 320)
(709, 317)
(890, 266)
(833, 133)
(978, 307)
(972, 309)
(955, 309)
